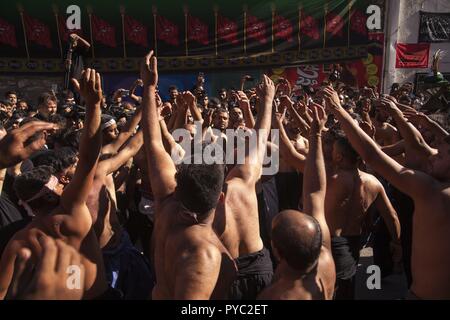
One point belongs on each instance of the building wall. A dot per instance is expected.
(402, 25)
(29, 87)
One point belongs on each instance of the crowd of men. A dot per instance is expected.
(95, 185)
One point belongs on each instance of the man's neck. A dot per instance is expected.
(286, 272)
(347, 167)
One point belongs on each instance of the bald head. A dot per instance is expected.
(297, 237)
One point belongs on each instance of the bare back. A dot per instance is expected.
(237, 221)
(349, 196)
(175, 243)
(57, 226)
(431, 243)
(317, 285)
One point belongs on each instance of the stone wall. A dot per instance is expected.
(29, 87)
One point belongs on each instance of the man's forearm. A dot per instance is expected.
(362, 143)
(436, 129)
(411, 136)
(314, 177)
(248, 117)
(152, 131)
(90, 144)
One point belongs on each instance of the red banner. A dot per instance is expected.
(256, 29)
(227, 30)
(7, 33)
(335, 24)
(167, 31)
(282, 28)
(37, 31)
(103, 32)
(309, 27)
(135, 31)
(197, 30)
(412, 55)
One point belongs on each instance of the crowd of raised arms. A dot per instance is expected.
(94, 187)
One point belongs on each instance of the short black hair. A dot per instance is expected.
(10, 92)
(69, 138)
(173, 88)
(59, 159)
(222, 110)
(46, 96)
(199, 186)
(29, 183)
(294, 240)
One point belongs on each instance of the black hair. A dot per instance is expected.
(223, 110)
(199, 186)
(7, 93)
(46, 96)
(173, 88)
(69, 138)
(29, 183)
(60, 159)
(295, 242)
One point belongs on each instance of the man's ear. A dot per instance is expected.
(222, 197)
(63, 179)
(275, 252)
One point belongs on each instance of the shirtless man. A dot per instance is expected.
(350, 194)
(190, 261)
(126, 267)
(64, 214)
(385, 133)
(237, 220)
(430, 191)
(301, 241)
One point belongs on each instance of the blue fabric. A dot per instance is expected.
(128, 270)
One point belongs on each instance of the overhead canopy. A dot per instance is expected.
(186, 34)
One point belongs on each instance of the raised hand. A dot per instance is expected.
(242, 99)
(266, 90)
(49, 278)
(21, 143)
(283, 87)
(149, 70)
(319, 118)
(188, 97)
(388, 104)
(90, 87)
(331, 98)
(286, 102)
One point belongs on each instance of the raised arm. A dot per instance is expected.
(191, 102)
(287, 149)
(160, 165)
(126, 133)
(412, 182)
(415, 145)
(314, 177)
(250, 171)
(133, 88)
(390, 218)
(80, 41)
(128, 151)
(244, 104)
(171, 146)
(420, 119)
(77, 191)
